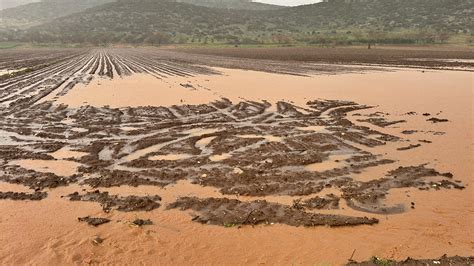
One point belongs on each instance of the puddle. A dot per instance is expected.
(14, 187)
(147, 90)
(66, 153)
(170, 157)
(375, 172)
(220, 157)
(57, 167)
(105, 154)
(125, 128)
(268, 138)
(317, 129)
(333, 162)
(79, 130)
(199, 131)
(202, 143)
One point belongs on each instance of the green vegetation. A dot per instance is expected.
(229, 225)
(336, 22)
(16, 73)
(9, 45)
(381, 261)
(231, 4)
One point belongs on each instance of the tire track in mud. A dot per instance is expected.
(263, 150)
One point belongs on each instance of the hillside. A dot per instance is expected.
(35, 13)
(341, 21)
(144, 21)
(448, 15)
(231, 4)
(4, 4)
(27, 13)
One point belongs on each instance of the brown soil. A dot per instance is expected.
(427, 57)
(444, 261)
(23, 195)
(328, 202)
(437, 120)
(93, 220)
(411, 146)
(32, 179)
(381, 122)
(141, 222)
(264, 151)
(125, 204)
(279, 154)
(231, 213)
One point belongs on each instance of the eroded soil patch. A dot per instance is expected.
(125, 204)
(23, 196)
(248, 148)
(229, 213)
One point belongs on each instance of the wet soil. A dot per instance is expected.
(260, 160)
(435, 120)
(328, 202)
(368, 196)
(381, 122)
(33, 179)
(141, 222)
(22, 195)
(426, 57)
(229, 213)
(444, 261)
(125, 204)
(247, 148)
(409, 147)
(93, 220)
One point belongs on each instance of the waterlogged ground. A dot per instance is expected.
(288, 164)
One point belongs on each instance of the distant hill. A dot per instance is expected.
(4, 4)
(134, 21)
(222, 4)
(341, 21)
(232, 4)
(449, 15)
(35, 13)
(27, 13)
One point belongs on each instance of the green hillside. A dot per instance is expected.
(231, 4)
(337, 21)
(449, 15)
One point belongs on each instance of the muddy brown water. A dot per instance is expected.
(47, 231)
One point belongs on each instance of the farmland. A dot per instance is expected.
(311, 147)
(236, 132)
(437, 57)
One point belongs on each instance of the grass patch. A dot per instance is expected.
(229, 225)
(9, 45)
(381, 261)
(16, 74)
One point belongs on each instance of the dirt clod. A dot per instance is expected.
(435, 120)
(23, 196)
(141, 222)
(125, 204)
(93, 221)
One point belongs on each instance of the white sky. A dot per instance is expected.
(288, 2)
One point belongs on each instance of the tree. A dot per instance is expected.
(158, 39)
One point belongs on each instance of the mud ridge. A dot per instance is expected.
(231, 212)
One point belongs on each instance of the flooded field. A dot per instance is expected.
(129, 155)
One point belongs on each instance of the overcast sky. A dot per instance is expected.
(288, 2)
